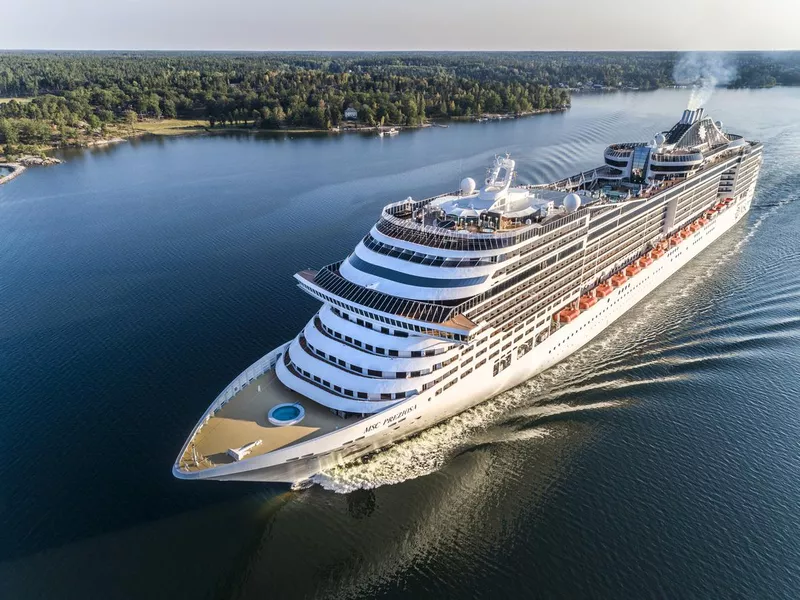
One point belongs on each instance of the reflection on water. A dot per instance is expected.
(662, 456)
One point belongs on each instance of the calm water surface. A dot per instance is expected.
(663, 460)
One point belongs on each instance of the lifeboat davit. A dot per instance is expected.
(618, 279)
(603, 290)
(568, 315)
(632, 270)
(587, 301)
(646, 261)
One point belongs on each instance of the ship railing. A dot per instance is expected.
(438, 237)
(257, 369)
(409, 204)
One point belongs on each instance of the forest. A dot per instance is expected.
(50, 98)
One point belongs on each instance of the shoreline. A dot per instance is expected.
(38, 156)
(16, 170)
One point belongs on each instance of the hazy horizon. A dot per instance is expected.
(415, 26)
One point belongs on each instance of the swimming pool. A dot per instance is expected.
(286, 414)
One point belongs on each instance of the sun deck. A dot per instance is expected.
(243, 420)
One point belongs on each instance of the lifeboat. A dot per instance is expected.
(685, 233)
(727, 200)
(568, 315)
(719, 206)
(632, 270)
(603, 290)
(695, 227)
(646, 261)
(675, 240)
(587, 301)
(702, 221)
(657, 253)
(618, 279)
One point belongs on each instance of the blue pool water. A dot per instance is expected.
(286, 413)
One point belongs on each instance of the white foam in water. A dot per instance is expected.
(428, 451)
(417, 456)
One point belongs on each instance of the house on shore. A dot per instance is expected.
(350, 113)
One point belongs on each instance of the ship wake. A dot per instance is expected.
(487, 424)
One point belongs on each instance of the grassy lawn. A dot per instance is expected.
(4, 100)
(171, 126)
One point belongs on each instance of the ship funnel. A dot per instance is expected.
(691, 116)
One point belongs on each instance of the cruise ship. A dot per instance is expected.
(451, 300)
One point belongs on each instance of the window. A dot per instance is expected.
(374, 373)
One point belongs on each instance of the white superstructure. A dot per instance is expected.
(451, 300)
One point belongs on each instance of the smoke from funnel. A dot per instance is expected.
(703, 71)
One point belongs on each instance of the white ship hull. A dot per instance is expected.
(300, 461)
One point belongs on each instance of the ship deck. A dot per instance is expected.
(244, 420)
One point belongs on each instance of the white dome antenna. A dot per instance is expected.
(572, 202)
(467, 186)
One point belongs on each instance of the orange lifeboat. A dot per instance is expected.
(618, 279)
(702, 221)
(587, 301)
(646, 261)
(695, 227)
(685, 233)
(657, 253)
(603, 290)
(727, 200)
(632, 270)
(568, 315)
(675, 240)
(720, 206)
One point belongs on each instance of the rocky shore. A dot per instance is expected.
(38, 161)
(14, 170)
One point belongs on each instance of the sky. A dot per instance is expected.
(400, 25)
